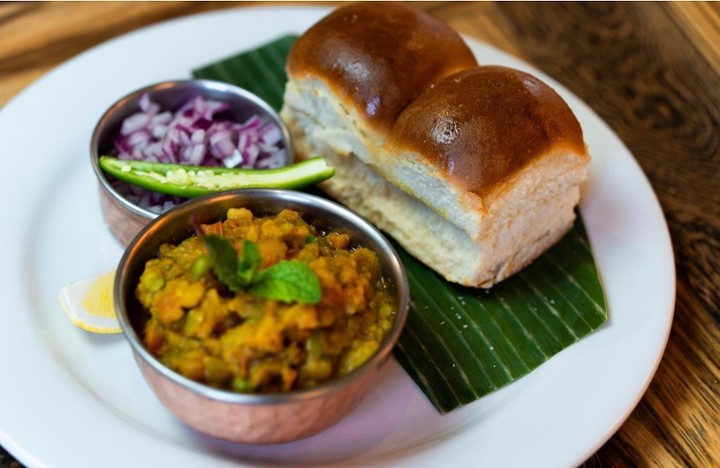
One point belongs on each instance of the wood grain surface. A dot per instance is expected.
(650, 70)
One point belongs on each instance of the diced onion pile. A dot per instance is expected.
(194, 134)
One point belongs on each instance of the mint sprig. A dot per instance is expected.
(225, 262)
(249, 266)
(286, 281)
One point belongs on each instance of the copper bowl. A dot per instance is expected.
(253, 418)
(125, 218)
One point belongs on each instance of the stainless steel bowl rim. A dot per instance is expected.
(200, 84)
(314, 202)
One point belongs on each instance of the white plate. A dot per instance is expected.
(69, 398)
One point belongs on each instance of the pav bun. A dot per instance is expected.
(379, 56)
(475, 170)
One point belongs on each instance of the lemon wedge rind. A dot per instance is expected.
(88, 303)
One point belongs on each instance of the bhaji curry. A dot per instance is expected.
(241, 341)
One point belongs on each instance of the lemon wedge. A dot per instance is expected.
(88, 303)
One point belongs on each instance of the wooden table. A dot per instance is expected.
(650, 70)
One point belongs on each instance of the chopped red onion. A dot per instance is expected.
(194, 134)
(174, 136)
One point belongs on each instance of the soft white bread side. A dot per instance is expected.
(518, 223)
(475, 172)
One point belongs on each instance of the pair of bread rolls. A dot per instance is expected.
(475, 170)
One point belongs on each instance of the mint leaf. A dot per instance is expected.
(250, 264)
(224, 261)
(288, 281)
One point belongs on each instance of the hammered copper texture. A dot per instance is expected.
(259, 424)
(123, 223)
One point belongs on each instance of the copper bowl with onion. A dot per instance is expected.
(125, 216)
(245, 417)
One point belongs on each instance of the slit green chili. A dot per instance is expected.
(193, 181)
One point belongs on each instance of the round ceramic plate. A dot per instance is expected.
(70, 398)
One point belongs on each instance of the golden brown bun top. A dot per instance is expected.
(481, 125)
(380, 56)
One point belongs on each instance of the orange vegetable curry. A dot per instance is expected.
(246, 343)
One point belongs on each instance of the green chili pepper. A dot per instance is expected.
(192, 181)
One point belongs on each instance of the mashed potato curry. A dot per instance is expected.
(244, 342)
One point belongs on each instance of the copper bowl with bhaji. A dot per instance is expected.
(260, 316)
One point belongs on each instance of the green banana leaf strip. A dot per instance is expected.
(462, 343)
(459, 343)
(260, 71)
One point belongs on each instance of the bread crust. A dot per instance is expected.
(480, 126)
(379, 56)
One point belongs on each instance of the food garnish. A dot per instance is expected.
(88, 303)
(286, 281)
(190, 181)
(197, 134)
